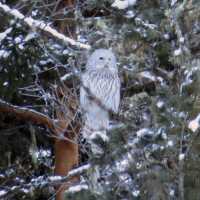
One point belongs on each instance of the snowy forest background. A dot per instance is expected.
(154, 151)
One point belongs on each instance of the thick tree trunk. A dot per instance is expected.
(66, 144)
(66, 157)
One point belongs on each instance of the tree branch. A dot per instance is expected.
(42, 26)
(42, 182)
(57, 180)
(27, 114)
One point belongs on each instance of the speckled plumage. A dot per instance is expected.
(102, 80)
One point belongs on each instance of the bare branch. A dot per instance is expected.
(27, 114)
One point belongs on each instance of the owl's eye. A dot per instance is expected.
(100, 58)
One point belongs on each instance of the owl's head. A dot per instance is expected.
(102, 59)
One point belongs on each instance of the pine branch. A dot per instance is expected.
(42, 26)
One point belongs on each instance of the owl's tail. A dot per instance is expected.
(95, 129)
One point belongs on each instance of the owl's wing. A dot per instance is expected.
(82, 97)
(83, 94)
(108, 92)
(105, 90)
(115, 96)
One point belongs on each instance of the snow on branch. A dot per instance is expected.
(123, 4)
(79, 170)
(27, 114)
(5, 33)
(42, 26)
(42, 181)
(56, 180)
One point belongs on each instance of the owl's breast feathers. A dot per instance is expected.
(104, 86)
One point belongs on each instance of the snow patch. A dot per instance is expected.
(4, 53)
(160, 104)
(101, 134)
(171, 192)
(145, 24)
(122, 165)
(79, 170)
(188, 78)
(66, 76)
(4, 34)
(55, 178)
(82, 39)
(25, 190)
(5, 83)
(177, 52)
(144, 131)
(138, 165)
(148, 75)
(170, 143)
(166, 36)
(66, 52)
(123, 4)
(30, 36)
(173, 2)
(181, 40)
(2, 192)
(2, 176)
(34, 13)
(129, 68)
(113, 126)
(181, 156)
(77, 188)
(136, 193)
(194, 124)
(164, 136)
(21, 46)
(13, 188)
(18, 39)
(130, 14)
(45, 62)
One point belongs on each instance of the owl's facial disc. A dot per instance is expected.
(103, 59)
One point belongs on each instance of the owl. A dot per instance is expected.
(101, 82)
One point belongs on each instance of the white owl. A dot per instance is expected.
(102, 80)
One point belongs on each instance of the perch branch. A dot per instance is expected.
(42, 26)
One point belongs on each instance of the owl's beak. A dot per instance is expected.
(106, 66)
